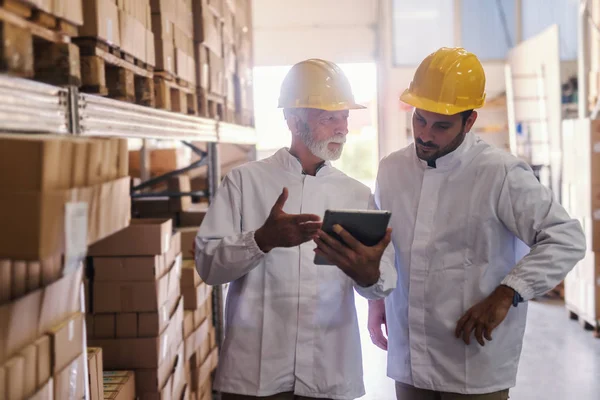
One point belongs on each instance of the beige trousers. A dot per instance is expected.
(280, 396)
(407, 392)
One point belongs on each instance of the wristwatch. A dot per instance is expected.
(517, 299)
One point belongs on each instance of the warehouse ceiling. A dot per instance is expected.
(286, 32)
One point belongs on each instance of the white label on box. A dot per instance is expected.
(76, 228)
(597, 147)
(596, 214)
(109, 30)
(165, 314)
(71, 330)
(164, 347)
(178, 264)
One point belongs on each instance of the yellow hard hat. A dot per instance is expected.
(448, 81)
(317, 84)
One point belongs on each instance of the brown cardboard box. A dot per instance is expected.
(217, 75)
(67, 341)
(46, 392)
(152, 206)
(174, 253)
(127, 325)
(123, 269)
(208, 29)
(5, 280)
(144, 237)
(163, 28)
(189, 275)
(34, 276)
(69, 10)
(51, 269)
(95, 371)
(19, 279)
(188, 323)
(142, 352)
(136, 296)
(127, 30)
(151, 381)
(29, 355)
(194, 341)
(204, 311)
(152, 324)
(119, 385)
(69, 383)
(188, 237)
(48, 160)
(193, 217)
(14, 370)
(28, 318)
(150, 48)
(194, 297)
(43, 360)
(105, 327)
(101, 20)
(41, 217)
(180, 184)
(79, 167)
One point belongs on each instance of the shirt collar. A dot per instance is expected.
(292, 163)
(451, 159)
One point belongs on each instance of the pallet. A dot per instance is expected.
(211, 105)
(174, 94)
(587, 325)
(35, 44)
(108, 71)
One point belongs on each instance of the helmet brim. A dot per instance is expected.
(436, 107)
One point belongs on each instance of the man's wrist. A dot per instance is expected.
(506, 293)
(260, 240)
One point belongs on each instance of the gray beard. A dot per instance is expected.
(319, 148)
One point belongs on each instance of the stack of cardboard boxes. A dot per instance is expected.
(208, 32)
(123, 23)
(136, 310)
(581, 198)
(68, 10)
(173, 27)
(244, 93)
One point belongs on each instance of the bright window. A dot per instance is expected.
(488, 27)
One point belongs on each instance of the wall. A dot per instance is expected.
(286, 32)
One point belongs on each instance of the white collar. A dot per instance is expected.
(453, 158)
(292, 164)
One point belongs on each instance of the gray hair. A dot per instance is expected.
(300, 113)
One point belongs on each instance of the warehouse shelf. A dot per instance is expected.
(236, 134)
(99, 116)
(28, 106)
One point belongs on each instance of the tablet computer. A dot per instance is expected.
(367, 226)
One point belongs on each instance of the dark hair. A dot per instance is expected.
(465, 116)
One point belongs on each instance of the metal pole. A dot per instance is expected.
(144, 161)
(582, 62)
(214, 169)
(510, 109)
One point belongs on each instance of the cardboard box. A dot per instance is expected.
(129, 269)
(41, 218)
(119, 385)
(152, 324)
(143, 237)
(180, 184)
(28, 318)
(43, 358)
(48, 159)
(69, 383)
(69, 10)
(148, 296)
(189, 275)
(51, 269)
(29, 355)
(14, 369)
(142, 352)
(127, 325)
(34, 276)
(19, 279)
(165, 54)
(194, 341)
(188, 237)
(95, 372)
(194, 297)
(46, 392)
(101, 20)
(67, 341)
(150, 48)
(105, 327)
(194, 216)
(204, 311)
(5, 280)
(208, 29)
(150, 382)
(174, 253)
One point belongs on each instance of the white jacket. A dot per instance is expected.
(456, 233)
(290, 325)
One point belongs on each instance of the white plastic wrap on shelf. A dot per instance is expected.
(230, 133)
(28, 106)
(99, 116)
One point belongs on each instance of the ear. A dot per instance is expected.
(470, 121)
(292, 123)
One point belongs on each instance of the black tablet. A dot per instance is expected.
(367, 226)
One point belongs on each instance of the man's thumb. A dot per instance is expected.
(386, 239)
(281, 200)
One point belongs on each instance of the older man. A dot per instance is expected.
(291, 326)
(461, 209)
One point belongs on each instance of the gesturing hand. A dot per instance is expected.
(286, 230)
(359, 262)
(376, 320)
(484, 317)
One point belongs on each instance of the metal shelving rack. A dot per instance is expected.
(31, 107)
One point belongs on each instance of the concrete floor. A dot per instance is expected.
(560, 361)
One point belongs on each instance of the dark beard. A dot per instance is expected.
(453, 145)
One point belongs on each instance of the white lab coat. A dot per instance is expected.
(291, 325)
(455, 231)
